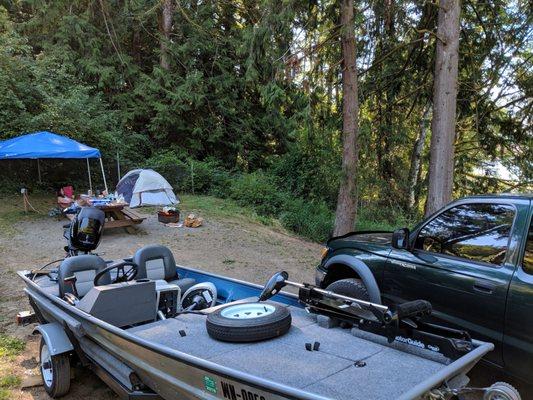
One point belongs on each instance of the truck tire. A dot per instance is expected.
(55, 371)
(350, 287)
(248, 322)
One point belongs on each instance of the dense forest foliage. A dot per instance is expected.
(243, 99)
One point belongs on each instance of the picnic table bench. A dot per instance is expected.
(118, 216)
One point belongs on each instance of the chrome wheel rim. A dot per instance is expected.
(247, 311)
(46, 366)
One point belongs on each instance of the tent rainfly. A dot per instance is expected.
(49, 145)
(145, 187)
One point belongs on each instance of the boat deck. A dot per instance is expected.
(386, 372)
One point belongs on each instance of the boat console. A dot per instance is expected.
(122, 304)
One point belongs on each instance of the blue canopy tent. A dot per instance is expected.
(49, 145)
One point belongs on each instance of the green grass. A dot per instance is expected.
(9, 381)
(213, 207)
(12, 211)
(10, 346)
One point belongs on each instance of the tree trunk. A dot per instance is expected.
(166, 27)
(444, 107)
(347, 199)
(414, 170)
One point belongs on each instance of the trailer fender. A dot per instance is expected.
(361, 269)
(55, 338)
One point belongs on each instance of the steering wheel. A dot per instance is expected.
(433, 244)
(122, 274)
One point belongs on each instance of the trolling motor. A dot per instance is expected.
(404, 324)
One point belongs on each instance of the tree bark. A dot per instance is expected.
(444, 107)
(414, 170)
(166, 28)
(347, 198)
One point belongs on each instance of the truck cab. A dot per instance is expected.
(472, 260)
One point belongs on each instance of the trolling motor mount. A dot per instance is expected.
(405, 323)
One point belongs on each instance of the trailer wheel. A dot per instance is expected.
(55, 371)
(248, 322)
(501, 391)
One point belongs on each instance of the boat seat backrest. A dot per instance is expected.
(155, 262)
(84, 268)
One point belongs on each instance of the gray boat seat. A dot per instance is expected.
(157, 262)
(84, 268)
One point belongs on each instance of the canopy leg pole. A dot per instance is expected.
(118, 166)
(103, 174)
(89, 173)
(39, 170)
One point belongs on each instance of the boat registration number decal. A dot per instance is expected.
(230, 392)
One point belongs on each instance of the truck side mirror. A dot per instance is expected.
(400, 239)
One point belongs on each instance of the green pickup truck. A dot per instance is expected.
(473, 260)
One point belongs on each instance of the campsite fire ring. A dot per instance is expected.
(168, 216)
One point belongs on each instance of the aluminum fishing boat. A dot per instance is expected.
(147, 328)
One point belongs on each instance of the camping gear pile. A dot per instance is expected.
(85, 200)
(145, 187)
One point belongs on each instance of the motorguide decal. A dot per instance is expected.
(416, 343)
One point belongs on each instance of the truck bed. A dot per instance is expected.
(388, 371)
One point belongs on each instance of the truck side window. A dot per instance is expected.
(477, 231)
(528, 255)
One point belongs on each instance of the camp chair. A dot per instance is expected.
(67, 192)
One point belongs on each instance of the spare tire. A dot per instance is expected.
(248, 322)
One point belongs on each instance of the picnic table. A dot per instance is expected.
(118, 216)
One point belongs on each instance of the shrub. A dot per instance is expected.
(373, 217)
(258, 191)
(206, 177)
(188, 175)
(310, 219)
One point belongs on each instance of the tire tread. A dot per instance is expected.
(61, 372)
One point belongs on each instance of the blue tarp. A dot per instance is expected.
(45, 145)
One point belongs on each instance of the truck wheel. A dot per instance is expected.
(248, 322)
(501, 391)
(350, 287)
(55, 371)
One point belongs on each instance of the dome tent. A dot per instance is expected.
(145, 187)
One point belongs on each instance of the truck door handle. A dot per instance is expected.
(484, 287)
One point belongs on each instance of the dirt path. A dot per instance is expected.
(228, 243)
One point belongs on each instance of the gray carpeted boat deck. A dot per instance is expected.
(330, 372)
